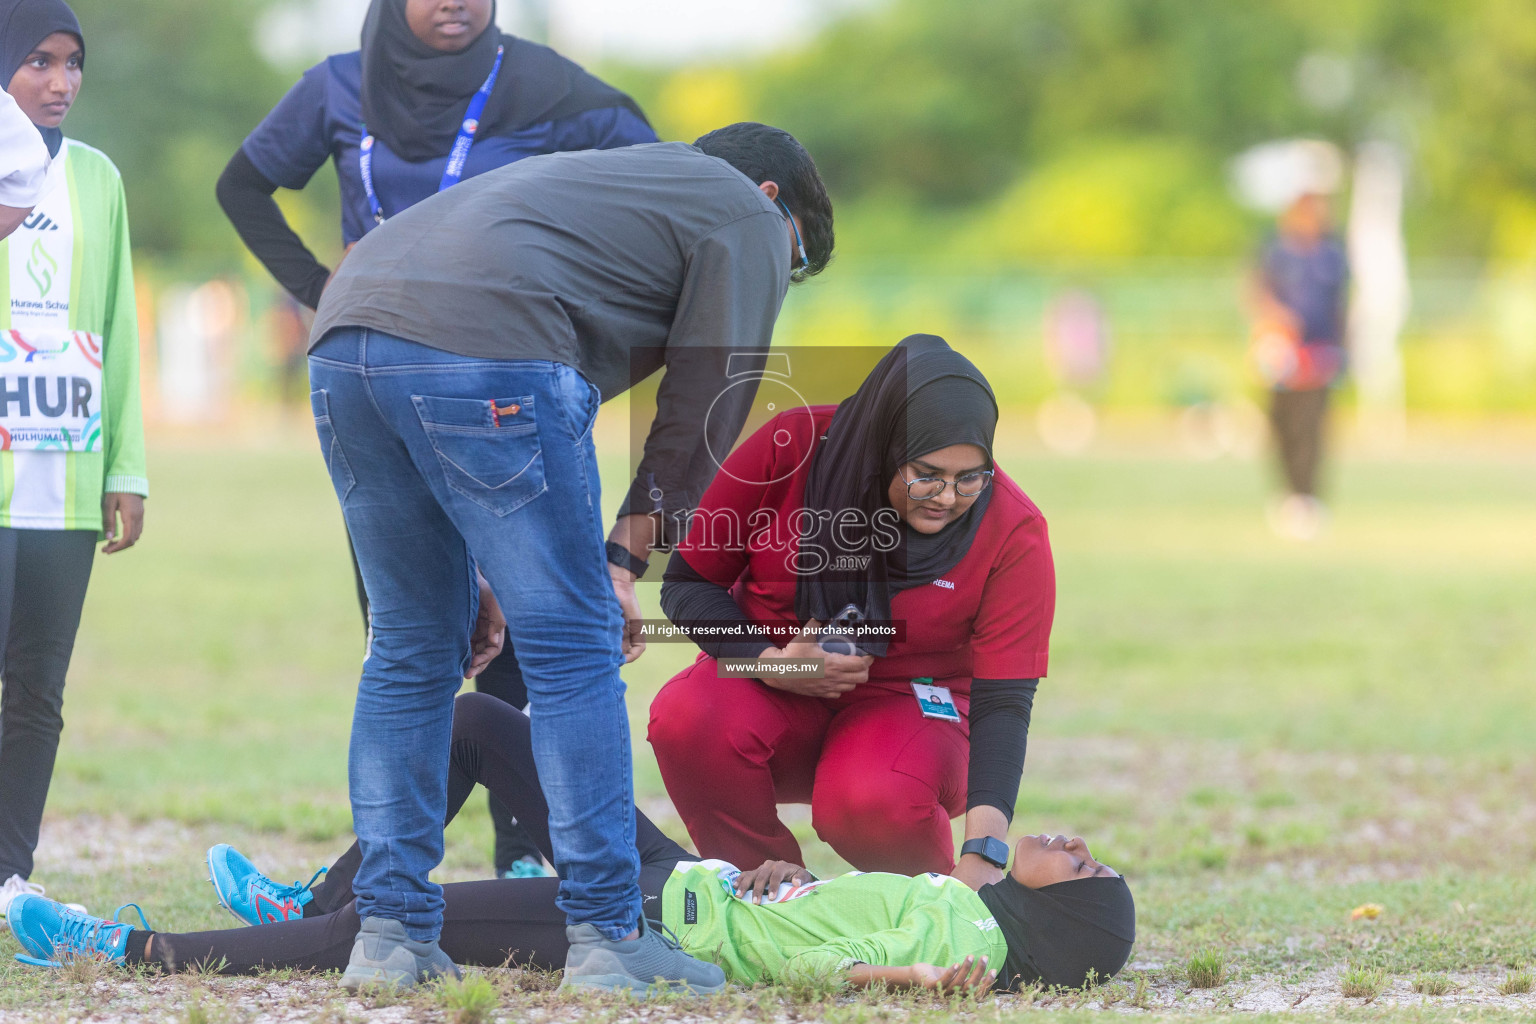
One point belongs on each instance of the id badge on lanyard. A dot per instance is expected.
(935, 701)
(453, 173)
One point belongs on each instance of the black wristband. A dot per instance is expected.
(622, 557)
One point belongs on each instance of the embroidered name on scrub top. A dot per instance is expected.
(50, 376)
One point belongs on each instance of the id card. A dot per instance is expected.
(935, 701)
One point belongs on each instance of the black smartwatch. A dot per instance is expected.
(622, 557)
(993, 851)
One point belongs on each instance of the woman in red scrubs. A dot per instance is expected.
(891, 503)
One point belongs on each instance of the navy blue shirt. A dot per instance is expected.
(320, 119)
(1311, 283)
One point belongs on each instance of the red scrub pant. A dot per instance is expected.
(883, 782)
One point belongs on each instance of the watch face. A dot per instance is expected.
(990, 849)
(997, 852)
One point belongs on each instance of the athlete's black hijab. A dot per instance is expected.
(921, 397)
(415, 97)
(24, 24)
(1058, 934)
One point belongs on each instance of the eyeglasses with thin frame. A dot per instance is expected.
(805, 264)
(926, 488)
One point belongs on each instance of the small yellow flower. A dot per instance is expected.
(1369, 911)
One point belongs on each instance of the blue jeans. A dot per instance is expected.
(443, 463)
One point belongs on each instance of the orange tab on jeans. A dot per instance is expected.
(506, 410)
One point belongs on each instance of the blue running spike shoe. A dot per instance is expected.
(250, 895)
(54, 935)
(527, 867)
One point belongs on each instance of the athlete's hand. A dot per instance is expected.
(968, 977)
(629, 604)
(130, 507)
(490, 633)
(841, 672)
(757, 884)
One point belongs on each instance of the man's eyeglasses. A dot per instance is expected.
(926, 488)
(805, 264)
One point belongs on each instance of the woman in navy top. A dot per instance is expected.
(413, 82)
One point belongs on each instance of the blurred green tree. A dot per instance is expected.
(1085, 132)
(1016, 109)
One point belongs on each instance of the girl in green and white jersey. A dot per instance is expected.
(71, 439)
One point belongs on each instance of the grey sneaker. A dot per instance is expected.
(653, 963)
(384, 955)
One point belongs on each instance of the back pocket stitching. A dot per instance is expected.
(532, 459)
(334, 452)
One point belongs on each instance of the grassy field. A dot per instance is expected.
(1261, 735)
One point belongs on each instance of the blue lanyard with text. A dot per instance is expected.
(453, 173)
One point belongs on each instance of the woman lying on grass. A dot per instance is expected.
(1058, 917)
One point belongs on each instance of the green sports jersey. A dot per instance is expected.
(70, 423)
(825, 927)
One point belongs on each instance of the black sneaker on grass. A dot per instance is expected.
(385, 956)
(652, 964)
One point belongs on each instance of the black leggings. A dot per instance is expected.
(43, 577)
(1300, 419)
(489, 923)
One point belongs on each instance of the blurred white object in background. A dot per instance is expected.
(293, 33)
(1212, 430)
(1271, 176)
(1067, 423)
(1378, 308)
(196, 333)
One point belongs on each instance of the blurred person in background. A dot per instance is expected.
(1299, 291)
(436, 94)
(915, 525)
(71, 436)
(23, 165)
(289, 332)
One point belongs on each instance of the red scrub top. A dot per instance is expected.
(989, 617)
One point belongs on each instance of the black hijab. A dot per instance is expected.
(1058, 933)
(24, 24)
(415, 97)
(921, 397)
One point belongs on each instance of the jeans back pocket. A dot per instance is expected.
(489, 449)
(335, 458)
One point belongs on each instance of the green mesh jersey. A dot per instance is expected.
(824, 927)
(66, 293)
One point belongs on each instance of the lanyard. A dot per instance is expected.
(453, 173)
